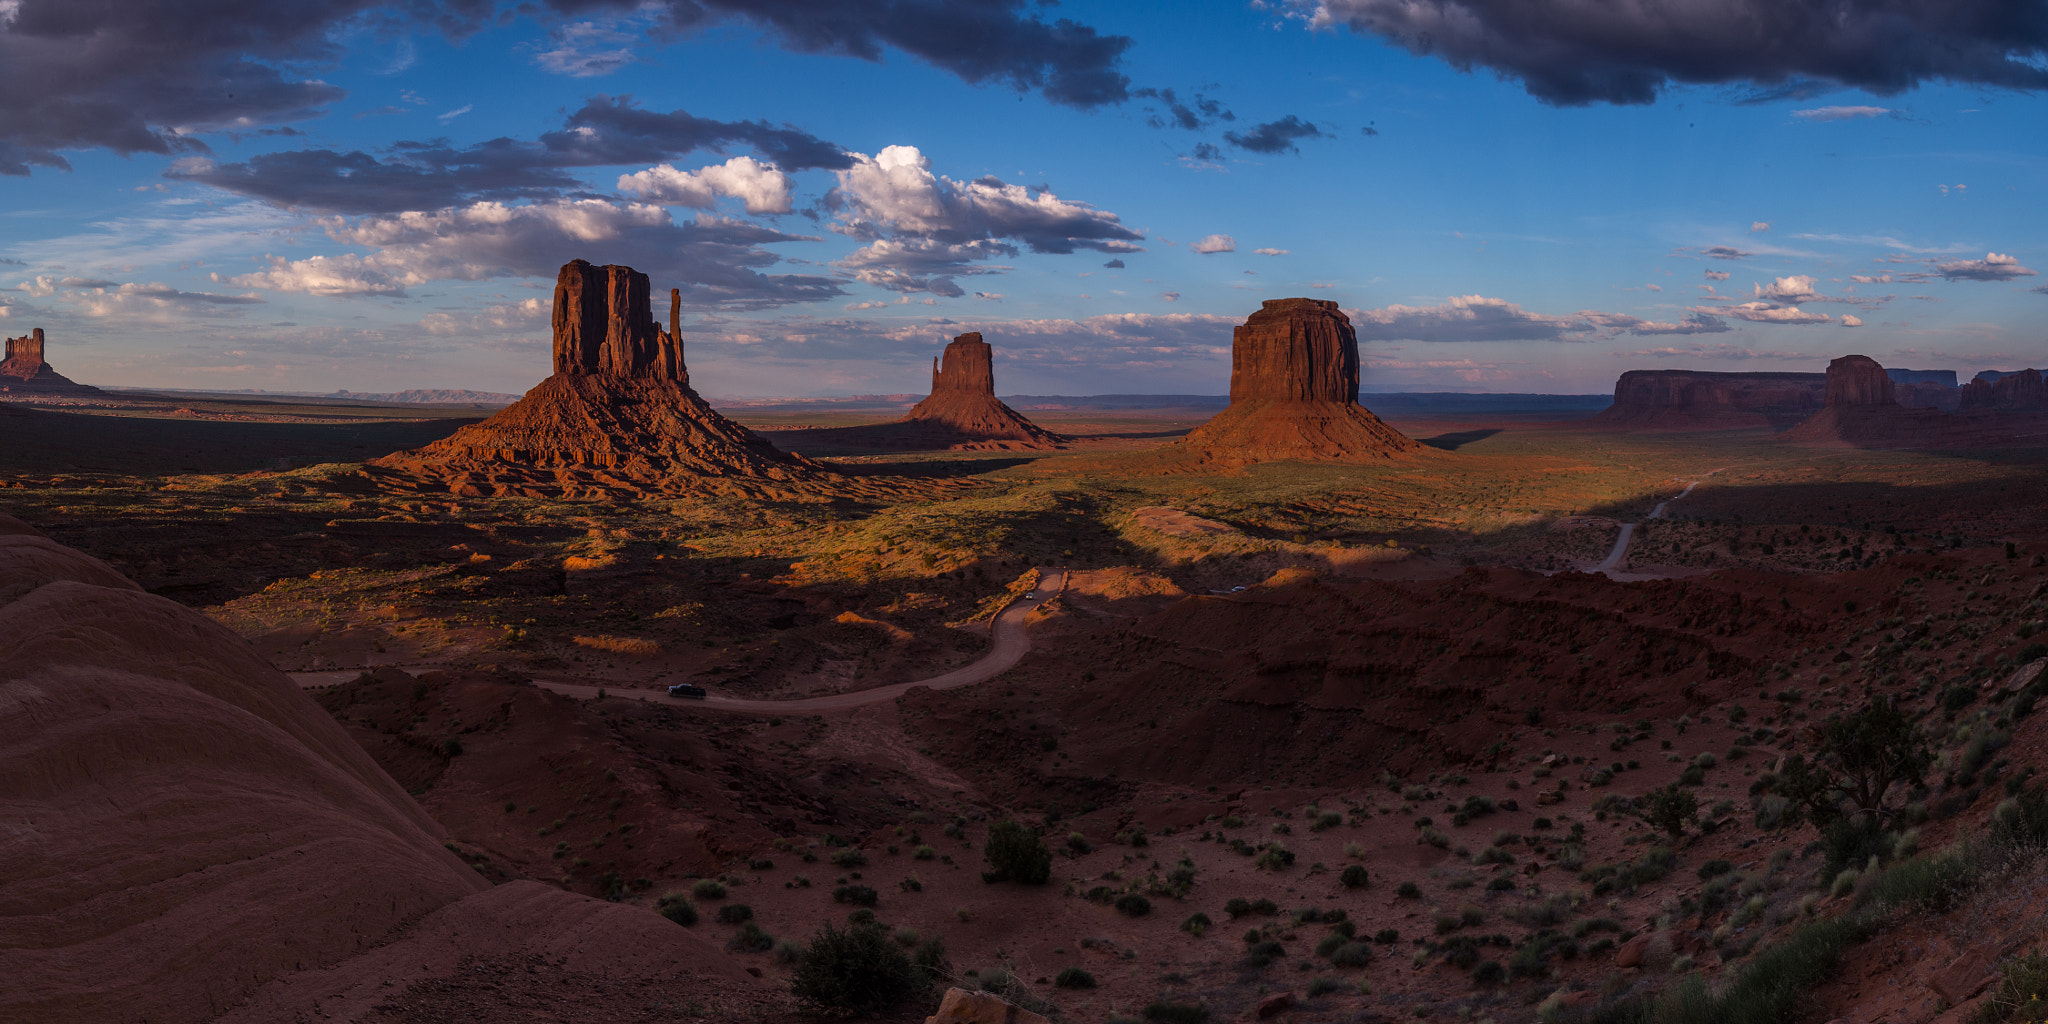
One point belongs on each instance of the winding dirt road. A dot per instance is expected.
(1628, 531)
(1009, 646)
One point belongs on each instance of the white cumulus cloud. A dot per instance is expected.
(760, 186)
(1214, 243)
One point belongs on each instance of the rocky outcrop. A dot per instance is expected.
(1699, 400)
(188, 832)
(1294, 393)
(2023, 391)
(962, 410)
(24, 370)
(618, 418)
(1859, 382)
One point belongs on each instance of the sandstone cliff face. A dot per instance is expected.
(2024, 391)
(1859, 382)
(1294, 393)
(1697, 400)
(25, 370)
(618, 417)
(603, 325)
(962, 410)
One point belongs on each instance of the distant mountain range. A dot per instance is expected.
(428, 396)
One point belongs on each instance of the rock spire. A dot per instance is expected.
(25, 370)
(962, 411)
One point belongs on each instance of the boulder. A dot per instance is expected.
(2025, 675)
(1294, 393)
(963, 1007)
(1858, 382)
(1963, 978)
(1275, 1004)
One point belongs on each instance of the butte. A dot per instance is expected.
(1294, 393)
(962, 410)
(617, 419)
(24, 372)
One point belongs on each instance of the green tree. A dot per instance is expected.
(1014, 853)
(1672, 808)
(1860, 759)
(857, 969)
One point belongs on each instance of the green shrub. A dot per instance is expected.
(735, 913)
(1015, 854)
(1850, 842)
(1324, 986)
(1714, 868)
(1325, 821)
(1264, 952)
(1165, 1012)
(1237, 906)
(849, 858)
(708, 889)
(858, 895)
(1196, 924)
(924, 853)
(677, 909)
(1386, 936)
(1265, 906)
(1501, 883)
(858, 969)
(752, 939)
(2022, 983)
(1351, 954)
(1409, 891)
(1671, 808)
(1933, 881)
(1074, 977)
(1489, 973)
(1133, 905)
(1274, 857)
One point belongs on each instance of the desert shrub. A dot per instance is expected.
(1329, 944)
(1196, 924)
(1325, 821)
(1409, 891)
(1265, 906)
(1713, 868)
(1386, 936)
(735, 913)
(1501, 883)
(1489, 973)
(1324, 985)
(1934, 881)
(1671, 808)
(787, 952)
(1164, 1012)
(1461, 951)
(2022, 982)
(1078, 845)
(1237, 906)
(752, 939)
(1493, 855)
(849, 858)
(1074, 977)
(906, 937)
(1274, 857)
(1850, 843)
(1446, 923)
(1956, 698)
(1767, 990)
(1015, 854)
(1471, 915)
(858, 895)
(1264, 952)
(2021, 821)
(924, 853)
(1133, 905)
(1351, 954)
(1580, 929)
(677, 909)
(930, 957)
(857, 969)
(708, 889)
(1546, 914)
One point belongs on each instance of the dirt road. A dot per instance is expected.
(1628, 532)
(1010, 644)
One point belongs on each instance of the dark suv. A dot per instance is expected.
(687, 690)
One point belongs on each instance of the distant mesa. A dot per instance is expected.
(618, 417)
(1926, 389)
(1700, 400)
(1864, 411)
(24, 371)
(428, 396)
(962, 411)
(1294, 393)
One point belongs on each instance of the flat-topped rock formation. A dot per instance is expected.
(2023, 391)
(1701, 400)
(962, 410)
(24, 370)
(617, 418)
(1864, 411)
(1294, 393)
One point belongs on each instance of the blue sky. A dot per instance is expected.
(375, 196)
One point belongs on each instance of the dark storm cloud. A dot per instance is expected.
(134, 77)
(1274, 136)
(1722, 252)
(1568, 52)
(1119, 265)
(429, 175)
(980, 41)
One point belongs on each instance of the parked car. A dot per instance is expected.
(687, 690)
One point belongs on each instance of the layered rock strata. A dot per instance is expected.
(1698, 400)
(962, 410)
(1294, 393)
(617, 418)
(25, 370)
(2023, 391)
(1864, 411)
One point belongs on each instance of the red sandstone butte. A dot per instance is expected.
(617, 418)
(962, 410)
(24, 369)
(1699, 400)
(2024, 391)
(1294, 393)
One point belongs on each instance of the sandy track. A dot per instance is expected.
(1010, 644)
(1628, 532)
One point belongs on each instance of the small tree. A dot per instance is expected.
(1014, 853)
(1672, 808)
(857, 969)
(1861, 757)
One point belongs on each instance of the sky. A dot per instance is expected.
(1503, 195)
